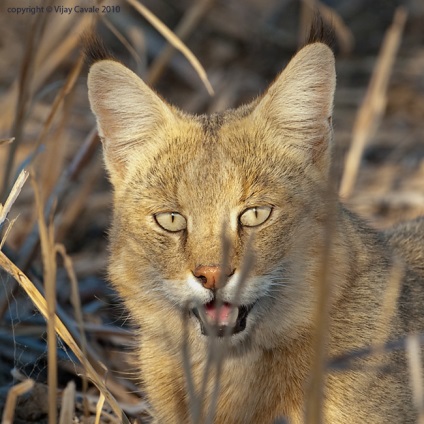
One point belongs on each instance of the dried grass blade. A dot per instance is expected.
(76, 303)
(49, 267)
(6, 233)
(218, 352)
(5, 141)
(62, 51)
(45, 67)
(215, 354)
(61, 330)
(122, 39)
(314, 402)
(83, 155)
(193, 400)
(390, 299)
(413, 350)
(372, 108)
(67, 410)
(99, 408)
(188, 23)
(14, 392)
(56, 32)
(66, 89)
(23, 95)
(14, 193)
(174, 40)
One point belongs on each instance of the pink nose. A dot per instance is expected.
(210, 276)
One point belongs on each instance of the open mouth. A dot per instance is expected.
(222, 319)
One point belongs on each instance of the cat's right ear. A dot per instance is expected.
(128, 113)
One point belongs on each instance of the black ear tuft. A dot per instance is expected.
(94, 48)
(321, 32)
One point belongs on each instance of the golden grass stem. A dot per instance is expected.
(193, 400)
(78, 201)
(174, 40)
(390, 299)
(24, 92)
(76, 303)
(63, 92)
(5, 141)
(374, 103)
(188, 23)
(214, 355)
(7, 232)
(413, 350)
(55, 32)
(61, 330)
(14, 392)
(49, 266)
(45, 67)
(14, 193)
(122, 39)
(67, 409)
(99, 408)
(82, 157)
(62, 50)
(315, 390)
(220, 350)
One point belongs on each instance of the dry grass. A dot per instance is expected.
(175, 41)
(14, 392)
(413, 348)
(373, 106)
(46, 125)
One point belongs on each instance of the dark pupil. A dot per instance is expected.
(256, 212)
(172, 217)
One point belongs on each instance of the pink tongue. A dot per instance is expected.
(220, 314)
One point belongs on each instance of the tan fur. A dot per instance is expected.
(274, 152)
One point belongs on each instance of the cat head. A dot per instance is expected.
(184, 186)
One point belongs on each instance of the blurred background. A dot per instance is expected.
(242, 45)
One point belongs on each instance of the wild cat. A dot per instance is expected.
(262, 172)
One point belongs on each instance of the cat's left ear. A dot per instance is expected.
(299, 104)
(128, 113)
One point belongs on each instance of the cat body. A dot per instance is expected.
(261, 176)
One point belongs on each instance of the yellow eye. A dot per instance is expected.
(253, 217)
(171, 221)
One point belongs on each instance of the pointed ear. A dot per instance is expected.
(128, 112)
(299, 103)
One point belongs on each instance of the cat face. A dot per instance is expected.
(210, 212)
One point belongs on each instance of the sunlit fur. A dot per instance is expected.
(274, 152)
